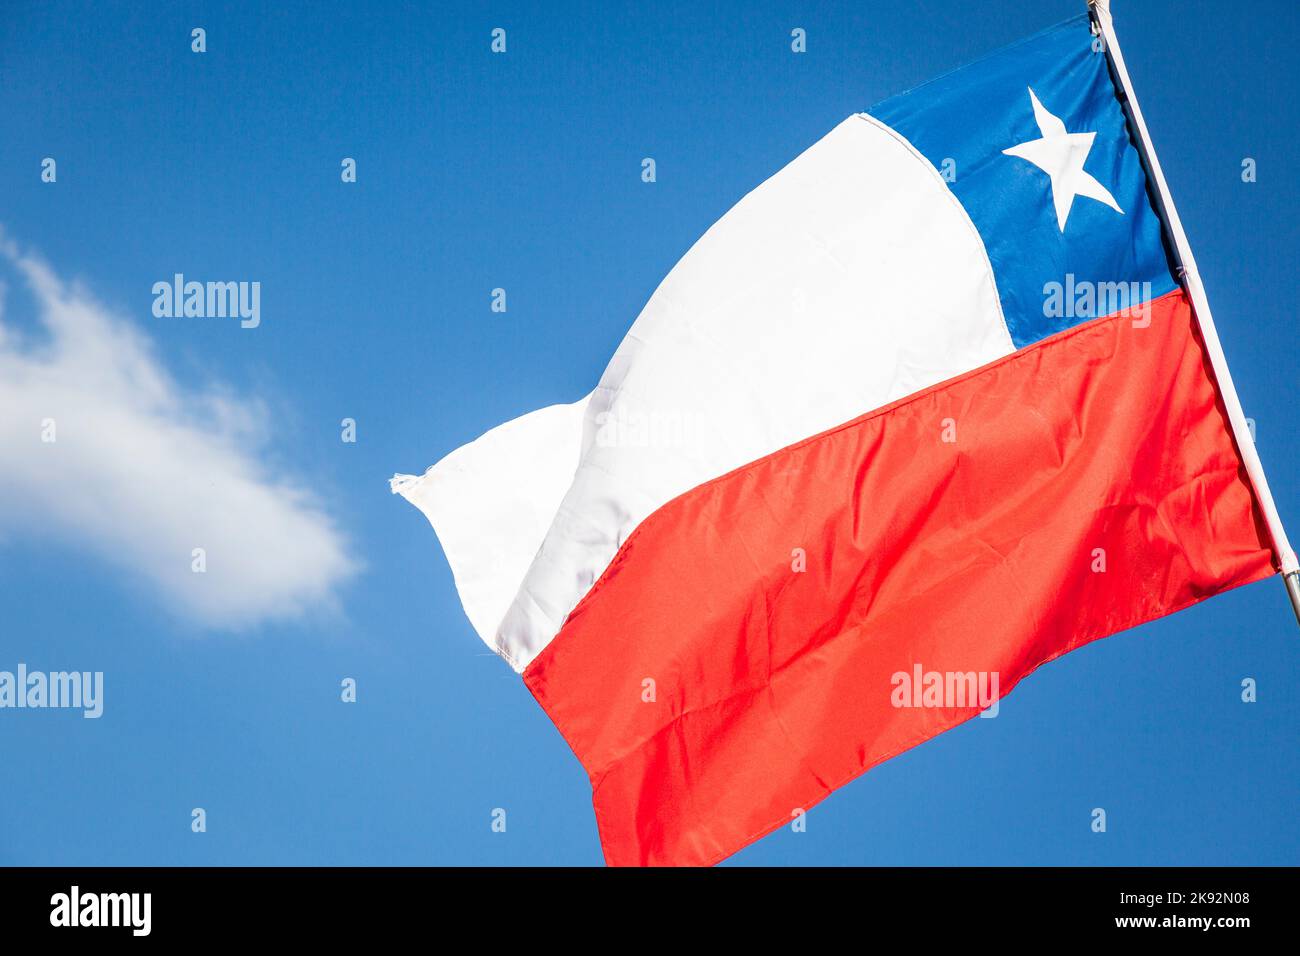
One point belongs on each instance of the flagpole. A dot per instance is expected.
(1191, 278)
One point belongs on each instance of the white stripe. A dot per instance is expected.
(491, 502)
(851, 278)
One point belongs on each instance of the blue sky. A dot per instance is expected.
(522, 171)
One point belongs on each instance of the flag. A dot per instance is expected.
(926, 409)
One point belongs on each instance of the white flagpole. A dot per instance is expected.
(1201, 306)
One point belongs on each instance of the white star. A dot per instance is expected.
(1061, 155)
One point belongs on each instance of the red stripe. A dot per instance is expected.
(773, 687)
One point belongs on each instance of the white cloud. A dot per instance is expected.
(144, 468)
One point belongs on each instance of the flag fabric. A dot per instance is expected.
(928, 401)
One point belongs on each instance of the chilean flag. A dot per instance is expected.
(931, 400)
